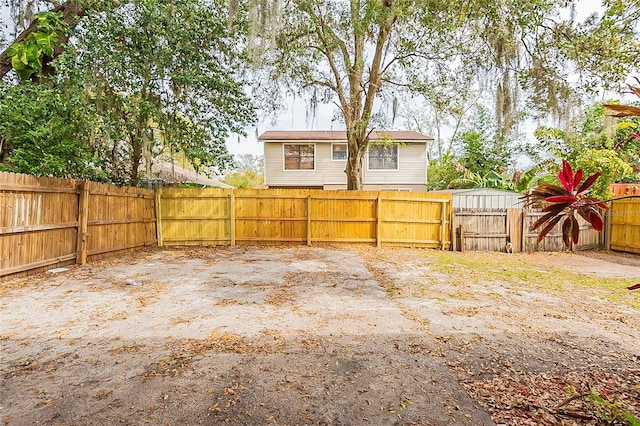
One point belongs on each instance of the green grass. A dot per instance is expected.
(524, 271)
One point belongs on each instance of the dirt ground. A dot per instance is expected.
(323, 335)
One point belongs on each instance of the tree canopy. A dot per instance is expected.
(154, 76)
(158, 76)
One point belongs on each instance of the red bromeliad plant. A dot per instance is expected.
(565, 202)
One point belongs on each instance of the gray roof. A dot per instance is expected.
(484, 198)
(337, 135)
(480, 191)
(169, 173)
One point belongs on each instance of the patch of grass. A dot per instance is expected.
(462, 296)
(520, 270)
(495, 296)
(517, 273)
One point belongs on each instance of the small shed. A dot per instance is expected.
(484, 198)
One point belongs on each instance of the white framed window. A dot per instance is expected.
(383, 157)
(339, 152)
(299, 156)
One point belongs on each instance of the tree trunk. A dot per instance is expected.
(136, 142)
(354, 172)
(357, 144)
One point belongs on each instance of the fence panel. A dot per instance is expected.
(39, 221)
(271, 217)
(119, 219)
(50, 222)
(589, 237)
(489, 230)
(194, 216)
(625, 225)
(481, 230)
(280, 216)
(415, 219)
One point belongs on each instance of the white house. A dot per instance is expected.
(317, 159)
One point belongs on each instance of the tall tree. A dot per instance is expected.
(362, 52)
(247, 172)
(153, 73)
(155, 66)
(351, 50)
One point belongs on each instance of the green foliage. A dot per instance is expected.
(609, 164)
(607, 412)
(490, 179)
(538, 173)
(594, 146)
(160, 74)
(138, 76)
(442, 171)
(27, 56)
(45, 132)
(483, 150)
(247, 172)
(483, 162)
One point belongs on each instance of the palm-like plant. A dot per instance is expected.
(563, 202)
(622, 111)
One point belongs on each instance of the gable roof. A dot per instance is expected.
(337, 135)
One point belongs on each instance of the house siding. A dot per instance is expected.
(411, 173)
(412, 168)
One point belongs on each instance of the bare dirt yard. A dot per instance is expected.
(323, 335)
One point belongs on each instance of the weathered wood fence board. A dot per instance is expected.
(214, 216)
(489, 230)
(480, 230)
(50, 222)
(119, 218)
(625, 225)
(589, 237)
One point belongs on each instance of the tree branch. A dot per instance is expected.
(376, 65)
(71, 11)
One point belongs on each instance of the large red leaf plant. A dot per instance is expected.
(564, 202)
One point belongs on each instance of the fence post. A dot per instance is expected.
(232, 218)
(158, 200)
(454, 232)
(515, 228)
(309, 220)
(461, 239)
(83, 220)
(523, 229)
(378, 221)
(443, 220)
(608, 228)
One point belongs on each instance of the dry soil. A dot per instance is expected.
(322, 335)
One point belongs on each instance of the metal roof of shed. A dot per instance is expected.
(484, 198)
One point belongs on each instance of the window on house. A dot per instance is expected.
(383, 157)
(299, 157)
(339, 151)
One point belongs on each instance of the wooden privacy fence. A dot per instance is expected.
(216, 216)
(49, 222)
(490, 229)
(624, 225)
